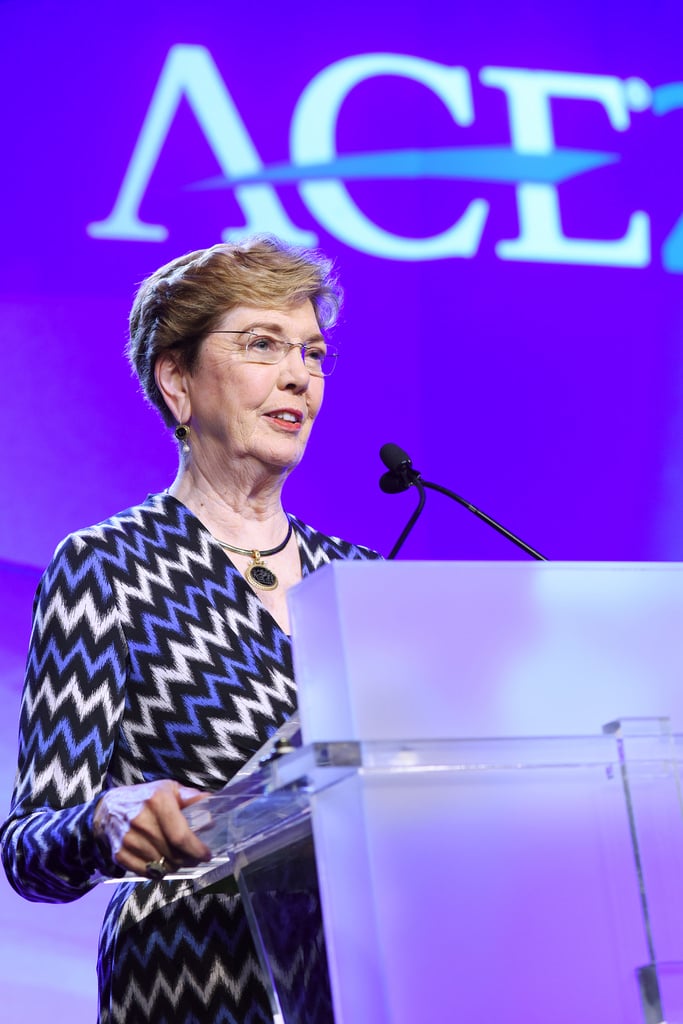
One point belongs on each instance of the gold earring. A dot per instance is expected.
(182, 433)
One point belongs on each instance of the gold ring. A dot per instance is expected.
(156, 869)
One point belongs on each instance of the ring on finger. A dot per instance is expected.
(156, 869)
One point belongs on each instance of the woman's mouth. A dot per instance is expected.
(289, 418)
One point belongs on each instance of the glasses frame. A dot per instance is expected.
(331, 350)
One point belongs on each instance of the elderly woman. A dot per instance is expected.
(160, 659)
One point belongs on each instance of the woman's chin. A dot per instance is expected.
(283, 456)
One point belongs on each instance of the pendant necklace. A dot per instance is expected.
(257, 573)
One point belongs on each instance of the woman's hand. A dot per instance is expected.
(146, 829)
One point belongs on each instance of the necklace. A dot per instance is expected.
(258, 574)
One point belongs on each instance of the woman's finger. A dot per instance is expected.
(177, 836)
(147, 820)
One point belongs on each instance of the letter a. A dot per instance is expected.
(190, 72)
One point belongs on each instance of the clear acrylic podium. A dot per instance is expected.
(484, 822)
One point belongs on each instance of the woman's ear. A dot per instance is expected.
(172, 383)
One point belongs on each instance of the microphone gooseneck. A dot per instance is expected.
(401, 476)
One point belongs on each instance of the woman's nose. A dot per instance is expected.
(295, 366)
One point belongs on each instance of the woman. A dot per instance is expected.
(160, 659)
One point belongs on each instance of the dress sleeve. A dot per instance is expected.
(72, 703)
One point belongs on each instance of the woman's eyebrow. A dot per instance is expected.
(279, 329)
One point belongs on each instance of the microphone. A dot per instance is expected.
(401, 476)
(401, 473)
(392, 484)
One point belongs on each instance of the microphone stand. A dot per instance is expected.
(417, 482)
(401, 476)
(487, 519)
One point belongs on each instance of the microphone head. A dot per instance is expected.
(394, 458)
(391, 483)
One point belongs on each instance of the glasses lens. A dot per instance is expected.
(319, 359)
(264, 349)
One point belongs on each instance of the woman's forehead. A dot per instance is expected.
(296, 318)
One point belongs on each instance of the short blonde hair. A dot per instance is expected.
(183, 301)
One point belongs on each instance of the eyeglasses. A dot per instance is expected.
(319, 358)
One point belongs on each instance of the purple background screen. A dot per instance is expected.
(499, 185)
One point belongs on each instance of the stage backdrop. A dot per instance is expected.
(499, 185)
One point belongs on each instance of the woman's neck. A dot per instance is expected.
(248, 515)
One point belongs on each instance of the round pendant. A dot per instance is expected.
(261, 576)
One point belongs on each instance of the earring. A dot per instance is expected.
(181, 433)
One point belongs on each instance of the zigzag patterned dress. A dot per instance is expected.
(150, 658)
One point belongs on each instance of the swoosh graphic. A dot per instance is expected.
(483, 163)
(667, 97)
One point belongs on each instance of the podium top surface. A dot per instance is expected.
(427, 650)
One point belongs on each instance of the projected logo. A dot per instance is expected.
(533, 164)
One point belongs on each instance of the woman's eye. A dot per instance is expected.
(263, 344)
(315, 355)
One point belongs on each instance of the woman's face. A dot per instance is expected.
(248, 412)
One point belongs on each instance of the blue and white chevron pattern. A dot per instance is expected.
(150, 658)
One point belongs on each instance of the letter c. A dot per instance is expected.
(313, 141)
